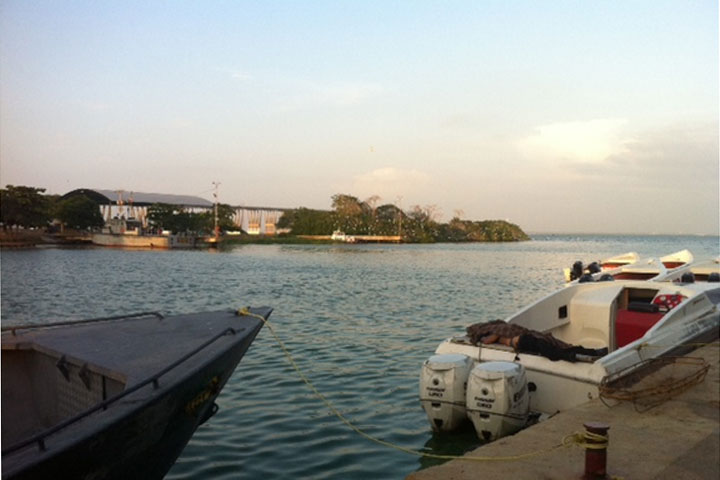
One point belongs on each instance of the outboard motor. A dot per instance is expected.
(586, 278)
(594, 267)
(577, 270)
(714, 277)
(443, 386)
(606, 277)
(687, 277)
(498, 402)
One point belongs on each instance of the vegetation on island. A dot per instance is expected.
(418, 225)
(27, 208)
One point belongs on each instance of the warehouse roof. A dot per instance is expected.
(139, 198)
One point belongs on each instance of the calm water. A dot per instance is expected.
(359, 321)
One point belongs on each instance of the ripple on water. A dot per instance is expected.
(359, 321)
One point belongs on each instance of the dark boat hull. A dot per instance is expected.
(150, 428)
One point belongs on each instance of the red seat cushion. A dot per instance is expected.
(630, 326)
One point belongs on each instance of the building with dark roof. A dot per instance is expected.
(127, 204)
(122, 197)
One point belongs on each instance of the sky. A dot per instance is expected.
(559, 116)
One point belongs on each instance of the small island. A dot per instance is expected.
(362, 219)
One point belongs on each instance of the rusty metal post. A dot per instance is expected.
(596, 458)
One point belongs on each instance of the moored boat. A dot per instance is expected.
(705, 271)
(578, 268)
(627, 322)
(119, 232)
(117, 397)
(643, 269)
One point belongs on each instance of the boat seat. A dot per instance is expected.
(633, 323)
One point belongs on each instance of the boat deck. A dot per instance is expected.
(133, 347)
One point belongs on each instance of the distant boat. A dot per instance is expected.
(129, 233)
(642, 269)
(114, 398)
(578, 269)
(339, 236)
(704, 271)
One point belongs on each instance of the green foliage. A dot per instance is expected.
(485, 231)
(225, 217)
(418, 225)
(24, 207)
(161, 215)
(304, 221)
(177, 220)
(79, 212)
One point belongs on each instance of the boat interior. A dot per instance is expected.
(41, 388)
(609, 314)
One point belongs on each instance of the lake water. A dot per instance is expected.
(358, 319)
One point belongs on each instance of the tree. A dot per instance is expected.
(388, 219)
(349, 213)
(225, 217)
(161, 215)
(177, 220)
(79, 212)
(24, 207)
(304, 221)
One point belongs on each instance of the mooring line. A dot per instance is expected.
(577, 438)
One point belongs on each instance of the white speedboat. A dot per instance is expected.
(578, 269)
(643, 269)
(635, 320)
(707, 271)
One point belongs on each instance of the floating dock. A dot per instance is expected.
(676, 439)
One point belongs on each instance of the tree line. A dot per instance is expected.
(29, 207)
(418, 225)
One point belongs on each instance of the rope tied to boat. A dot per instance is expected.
(569, 440)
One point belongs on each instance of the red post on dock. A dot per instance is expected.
(596, 452)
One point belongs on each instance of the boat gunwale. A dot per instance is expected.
(67, 323)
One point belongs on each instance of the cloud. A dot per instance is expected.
(583, 141)
(674, 156)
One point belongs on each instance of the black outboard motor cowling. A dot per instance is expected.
(577, 270)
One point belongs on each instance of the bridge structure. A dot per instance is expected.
(125, 204)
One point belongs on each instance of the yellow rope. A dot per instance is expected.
(575, 438)
(582, 439)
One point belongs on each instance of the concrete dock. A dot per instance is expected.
(679, 439)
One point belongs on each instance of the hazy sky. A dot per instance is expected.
(560, 116)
